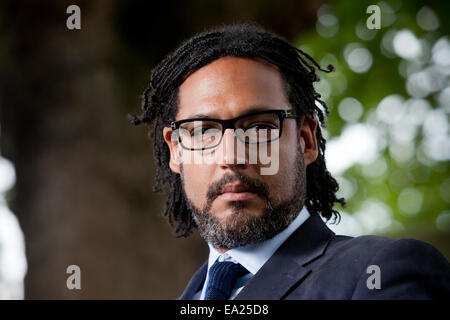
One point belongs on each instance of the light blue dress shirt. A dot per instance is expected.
(252, 256)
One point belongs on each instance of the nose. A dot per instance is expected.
(231, 151)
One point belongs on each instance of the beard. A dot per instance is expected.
(240, 229)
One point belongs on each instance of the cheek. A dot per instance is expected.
(283, 183)
(196, 182)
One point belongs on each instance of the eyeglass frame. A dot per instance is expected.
(230, 124)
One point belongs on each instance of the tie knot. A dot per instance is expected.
(222, 278)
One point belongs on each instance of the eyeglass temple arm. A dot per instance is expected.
(292, 113)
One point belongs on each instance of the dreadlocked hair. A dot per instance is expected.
(160, 104)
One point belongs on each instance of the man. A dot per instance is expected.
(242, 88)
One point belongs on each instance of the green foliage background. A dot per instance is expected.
(421, 173)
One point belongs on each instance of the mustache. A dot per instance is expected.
(254, 185)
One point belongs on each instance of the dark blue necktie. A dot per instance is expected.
(222, 278)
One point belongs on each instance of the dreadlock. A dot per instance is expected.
(160, 103)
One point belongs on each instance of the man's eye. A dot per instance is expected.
(261, 126)
(199, 131)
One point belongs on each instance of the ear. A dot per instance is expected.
(174, 162)
(308, 139)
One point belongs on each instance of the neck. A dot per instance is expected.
(222, 250)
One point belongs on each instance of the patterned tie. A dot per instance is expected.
(222, 278)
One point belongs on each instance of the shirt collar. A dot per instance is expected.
(254, 256)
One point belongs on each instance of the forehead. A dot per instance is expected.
(231, 86)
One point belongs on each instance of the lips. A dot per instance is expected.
(236, 188)
(237, 192)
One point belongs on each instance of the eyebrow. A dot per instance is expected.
(253, 109)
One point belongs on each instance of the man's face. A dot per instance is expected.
(234, 204)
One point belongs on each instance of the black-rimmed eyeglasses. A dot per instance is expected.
(254, 128)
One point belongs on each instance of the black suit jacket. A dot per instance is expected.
(314, 263)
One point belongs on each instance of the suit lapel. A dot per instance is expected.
(288, 265)
(196, 283)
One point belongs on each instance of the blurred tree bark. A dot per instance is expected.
(83, 193)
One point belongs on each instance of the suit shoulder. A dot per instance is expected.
(410, 268)
(377, 248)
(367, 243)
(414, 251)
(368, 247)
(353, 253)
